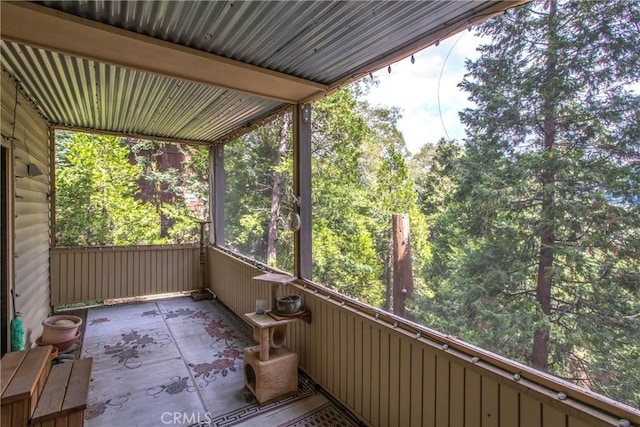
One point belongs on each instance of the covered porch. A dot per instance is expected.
(384, 369)
(93, 66)
(177, 361)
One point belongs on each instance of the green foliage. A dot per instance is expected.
(115, 191)
(95, 194)
(360, 178)
(344, 243)
(552, 150)
(251, 163)
(174, 180)
(347, 261)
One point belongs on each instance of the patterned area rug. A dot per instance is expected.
(326, 415)
(179, 362)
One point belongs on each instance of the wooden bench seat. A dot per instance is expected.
(23, 376)
(64, 398)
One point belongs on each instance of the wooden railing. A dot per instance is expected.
(101, 273)
(395, 373)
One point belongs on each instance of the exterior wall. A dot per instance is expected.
(100, 273)
(394, 373)
(28, 136)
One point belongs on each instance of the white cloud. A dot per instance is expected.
(429, 102)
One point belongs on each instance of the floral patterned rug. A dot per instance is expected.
(179, 362)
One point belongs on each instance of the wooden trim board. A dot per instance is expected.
(46, 28)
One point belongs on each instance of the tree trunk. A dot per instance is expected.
(540, 356)
(272, 233)
(402, 272)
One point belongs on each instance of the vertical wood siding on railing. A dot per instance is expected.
(391, 377)
(98, 274)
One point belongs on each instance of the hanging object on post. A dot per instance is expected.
(293, 221)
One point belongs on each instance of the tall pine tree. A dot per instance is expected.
(549, 194)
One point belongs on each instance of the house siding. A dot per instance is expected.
(28, 136)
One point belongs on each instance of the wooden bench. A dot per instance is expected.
(23, 376)
(64, 398)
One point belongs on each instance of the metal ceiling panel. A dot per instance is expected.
(322, 41)
(325, 42)
(80, 93)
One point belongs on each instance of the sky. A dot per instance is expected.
(415, 89)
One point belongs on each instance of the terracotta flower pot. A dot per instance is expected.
(62, 345)
(60, 328)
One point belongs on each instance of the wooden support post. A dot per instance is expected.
(402, 268)
(302, 188)
(202, 293)
(216, 194)
(52, 187)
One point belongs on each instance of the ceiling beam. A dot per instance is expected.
(46, 28)
(155, 138)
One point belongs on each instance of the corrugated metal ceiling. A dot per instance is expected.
(315, 40)
(87, 94)
(321, 41)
